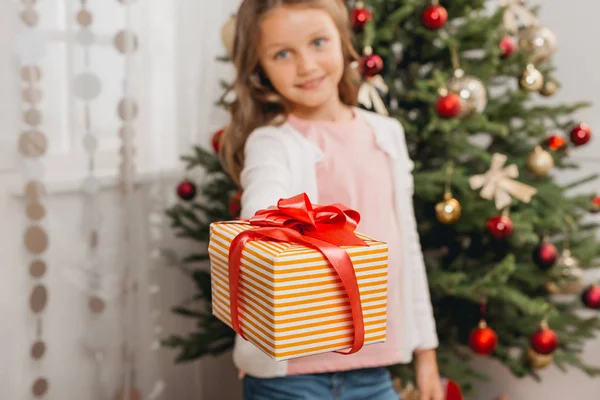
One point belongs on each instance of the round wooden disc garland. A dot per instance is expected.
(32, 145)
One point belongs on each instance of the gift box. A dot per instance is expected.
(297, 279)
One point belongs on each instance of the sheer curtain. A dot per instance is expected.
(91, 131)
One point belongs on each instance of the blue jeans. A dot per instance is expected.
(361, 384)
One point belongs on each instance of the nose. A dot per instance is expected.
(305, 63)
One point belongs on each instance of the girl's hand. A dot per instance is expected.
(428, 376)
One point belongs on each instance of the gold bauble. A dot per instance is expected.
(549, 88)
(532, 79)
(537, 360)
(540, 162)
(472, 93)
(448, 211)
(571, 275)
(228, 34)
(539, 41)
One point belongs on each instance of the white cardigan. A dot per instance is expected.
(281, 163)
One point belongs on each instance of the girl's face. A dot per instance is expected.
(301, 53)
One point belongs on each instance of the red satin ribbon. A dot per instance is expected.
(324, 228)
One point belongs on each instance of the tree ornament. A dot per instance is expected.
(448, 104)
(228, 34)
(498, 183)
(471, 90)
(370, 64)
(539, 41)
(360, 16)
(369, 94)
(595, 204)
(545, 255)
(235, 204)
(531, 79)
(570, 275)
(453, 391)
(581, 134)
(549, 88)
(591, 297)
(448, 211)
(516, 14)
(216, 140)
(500, 227)
(507, 46)
(555, 142)
(435, 16)
(483, 340)
(544, 341)
(537, 360)
(540, 162)
(186, 190)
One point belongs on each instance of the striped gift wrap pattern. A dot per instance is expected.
(292, 303)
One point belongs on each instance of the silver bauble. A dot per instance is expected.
(539, 41)
(472, 93)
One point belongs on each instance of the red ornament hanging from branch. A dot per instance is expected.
(545, 255)
(591, 297)
(483, 339)
(370, 64)
(507, 46)
(544, 341)
(360, 16)
(500, 227)
(581, 134)
(216, 140)
(435, 16)
(555, 142)
(186, 190)
(448, 104)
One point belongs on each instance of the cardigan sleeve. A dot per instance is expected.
(422, 308)
(266, 176)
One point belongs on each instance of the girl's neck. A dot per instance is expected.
(331, 112)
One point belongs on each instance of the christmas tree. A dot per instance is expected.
(504, 243)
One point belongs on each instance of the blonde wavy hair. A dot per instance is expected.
(256, 102)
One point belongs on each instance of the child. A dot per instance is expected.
(295, 129)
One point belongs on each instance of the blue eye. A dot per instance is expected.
(319, 42)
(282, 54)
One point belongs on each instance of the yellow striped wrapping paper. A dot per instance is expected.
(292, 303)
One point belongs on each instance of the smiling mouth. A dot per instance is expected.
(312, 84)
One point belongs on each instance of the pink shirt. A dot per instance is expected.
(357, 173)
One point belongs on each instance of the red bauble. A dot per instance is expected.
(216, 140)
(544, 341)
(434, 17)
(507, 46)
(448, 106)
(500, 227)
(581, 134)
(186, 190)
(545, 255)
(596, 204)
(371, 65)
(555, 142)
(360, 17)
(483, 340)
(235, 205)
(591, 297)
(453, 391)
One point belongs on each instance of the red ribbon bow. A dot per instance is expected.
(324, 228)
